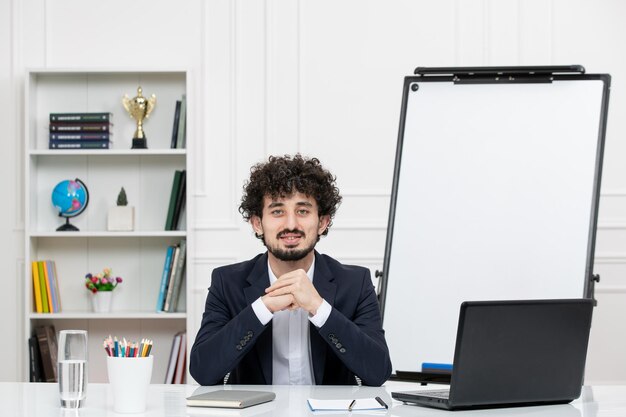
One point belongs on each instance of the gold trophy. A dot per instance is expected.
(139, 108)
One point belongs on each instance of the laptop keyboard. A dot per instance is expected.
(440, 393)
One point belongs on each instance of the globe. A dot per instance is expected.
(70, 198)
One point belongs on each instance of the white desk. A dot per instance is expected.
(42, 400)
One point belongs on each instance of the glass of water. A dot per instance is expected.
(72, 367)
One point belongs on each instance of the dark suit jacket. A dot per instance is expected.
(232, 339)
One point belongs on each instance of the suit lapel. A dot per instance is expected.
(259, 280)
(323, 281)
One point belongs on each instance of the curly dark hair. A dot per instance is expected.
(282, 176)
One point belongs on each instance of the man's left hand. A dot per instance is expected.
(298, 284)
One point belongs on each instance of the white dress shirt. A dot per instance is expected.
(291, 346)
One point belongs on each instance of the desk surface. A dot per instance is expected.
(42, 400)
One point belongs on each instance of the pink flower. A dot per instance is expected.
(94, 280)
(118, 279)
(105, 281)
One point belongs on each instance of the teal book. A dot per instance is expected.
(165, 278)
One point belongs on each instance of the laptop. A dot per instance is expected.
(514, 353)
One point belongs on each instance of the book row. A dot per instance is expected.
(46, 287)
(177, 362)
(177, 200)
(42, 349)
(80, 130)
(47, 297)
(172, 277)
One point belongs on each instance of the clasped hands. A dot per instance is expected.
(291, 291)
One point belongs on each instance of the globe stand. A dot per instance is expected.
(67, 227)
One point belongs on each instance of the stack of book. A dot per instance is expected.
(80, 130)
(46, 287)
(172, 277)
(176, 365)
(179, 131)
(42, 348)
(177, 200)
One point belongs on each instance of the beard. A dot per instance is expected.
(289, 254)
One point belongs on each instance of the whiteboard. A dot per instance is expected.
(495, 197)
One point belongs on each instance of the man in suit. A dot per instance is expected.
(290, 315)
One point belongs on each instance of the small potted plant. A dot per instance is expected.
(122, 216)
(101, 286)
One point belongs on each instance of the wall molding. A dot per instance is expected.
(199, 181)
(611, 225)
(299, 135)
(220, 225)
(359, 259)
(360, 225)
(610, 258)
(267, 66)
(611, 289)
(20, 336)
(221, 259)
(210, 262)
(366, 192)
(15, 84)
(233, 78)
(616, 192)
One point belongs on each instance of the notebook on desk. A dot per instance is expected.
(230, 398)
(511, 353)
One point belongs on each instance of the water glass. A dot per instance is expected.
(72, 367)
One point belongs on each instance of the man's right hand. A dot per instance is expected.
(278, 303)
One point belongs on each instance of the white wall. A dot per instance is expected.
(323, 78)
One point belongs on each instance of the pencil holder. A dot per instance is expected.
(129, 378)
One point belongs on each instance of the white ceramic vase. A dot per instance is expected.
(121, 219)
(101, 301)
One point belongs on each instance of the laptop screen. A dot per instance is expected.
(520, 351)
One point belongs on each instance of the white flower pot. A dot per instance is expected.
(121, 219)
(101, 301)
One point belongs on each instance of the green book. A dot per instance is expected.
(169, 221)
(43, 287)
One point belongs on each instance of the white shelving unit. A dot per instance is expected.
(146, 175)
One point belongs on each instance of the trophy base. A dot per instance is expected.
(139, 143)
